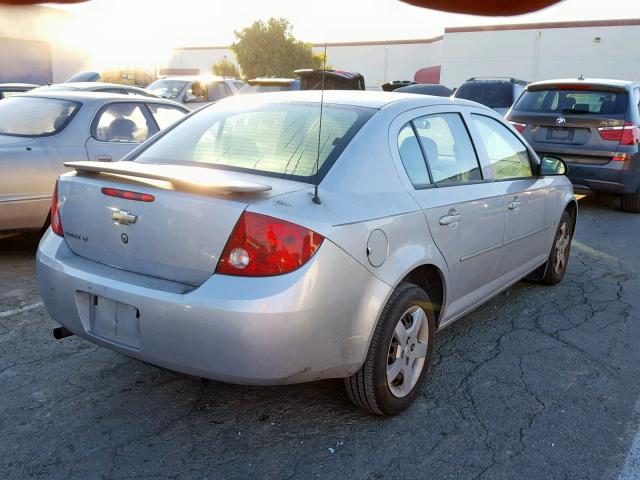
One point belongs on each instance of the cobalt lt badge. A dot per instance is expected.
(560, 121)
(125, 238)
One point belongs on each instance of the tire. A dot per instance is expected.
(631, 202)
(560, 250)
(369, 388)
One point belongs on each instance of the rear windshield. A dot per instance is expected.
(35, 117)
(491, 94)
(557, 101)
(279, 139)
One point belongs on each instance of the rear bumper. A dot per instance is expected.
(613, 177)
(311, 324)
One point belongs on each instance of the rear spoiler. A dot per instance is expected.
(201, 179)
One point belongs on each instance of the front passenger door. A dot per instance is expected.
(528, 199)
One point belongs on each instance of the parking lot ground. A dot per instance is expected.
(539, 383)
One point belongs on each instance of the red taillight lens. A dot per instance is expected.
(126, 194)
(56, 224)
(519, 126)
(629, 134)
(261, 246)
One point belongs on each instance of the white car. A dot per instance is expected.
(209, 251)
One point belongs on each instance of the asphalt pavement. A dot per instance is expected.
(539, 383)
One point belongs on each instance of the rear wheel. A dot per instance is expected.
(631, 202)
(559, 255)
(399, 355)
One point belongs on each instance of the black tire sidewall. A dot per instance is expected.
(409, 296)
(551, 277)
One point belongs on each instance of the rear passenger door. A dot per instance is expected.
(528, 199)
(464, 213)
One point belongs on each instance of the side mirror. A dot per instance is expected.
(552, 166)
(190, 98)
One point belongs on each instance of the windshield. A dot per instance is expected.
(491, 94)
(34, 117)
(573, 101)
(279, 139)
(167, 88)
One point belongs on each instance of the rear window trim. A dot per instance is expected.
(69, 119)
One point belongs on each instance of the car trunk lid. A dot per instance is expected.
(177, 232)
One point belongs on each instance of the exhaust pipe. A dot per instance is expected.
(61, 332)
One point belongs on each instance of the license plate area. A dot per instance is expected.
(560, 134)
(114, 321)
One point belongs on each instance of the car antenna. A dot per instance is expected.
(316, 198)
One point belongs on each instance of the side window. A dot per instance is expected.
(196, 92)
(412, 157)
(218, 91)
(507, 155)
(165, 115)
(448, 148)
(123, 122)
(636, 91)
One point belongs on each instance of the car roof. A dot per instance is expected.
(89, 85)
(95, 97)
(357, 98)
(589, 81)
(18, 85)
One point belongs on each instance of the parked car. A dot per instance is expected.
(270, 84)
(40, 131)
(10, 89)
(308, 79)
(434, 89)
(395, 84)
(95, 87)
(235, 268)
(333, 80)
(593, 125)
(195, 91)
(496, 93)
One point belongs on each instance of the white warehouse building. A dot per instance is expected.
(529, 52)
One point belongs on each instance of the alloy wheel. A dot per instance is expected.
(407, 351)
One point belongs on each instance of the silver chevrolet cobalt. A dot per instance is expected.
(208, 250)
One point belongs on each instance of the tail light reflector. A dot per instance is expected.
(261, 246)
(620, 157)
(56, 224)
(127, 195)
(519, 126)
(628, 134)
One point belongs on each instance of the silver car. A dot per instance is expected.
(196, 91)
(94, 87)
(40, 131)
(209, 251)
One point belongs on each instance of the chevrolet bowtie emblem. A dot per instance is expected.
(124, 217)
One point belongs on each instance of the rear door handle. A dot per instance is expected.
(451, 217)
(514, 205)
(103, 158)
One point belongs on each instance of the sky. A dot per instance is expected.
(127, 28)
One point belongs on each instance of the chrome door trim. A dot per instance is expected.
(480, 252)
(515, 239)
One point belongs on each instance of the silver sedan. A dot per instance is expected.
(39, 131)
(210, 250)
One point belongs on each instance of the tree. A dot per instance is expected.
(225, 68)
(269, 49)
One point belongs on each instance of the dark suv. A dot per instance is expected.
(593, 125)
(496, 93)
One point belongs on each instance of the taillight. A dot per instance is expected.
(628, 134)
(261, 246)
(56, 224)
(519, 126)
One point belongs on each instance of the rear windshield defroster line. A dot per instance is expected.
(277, 139)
